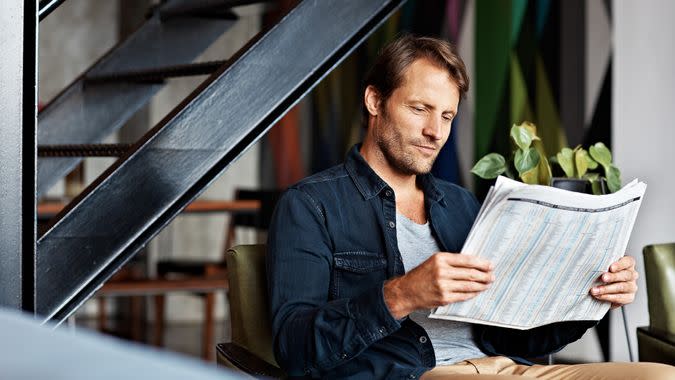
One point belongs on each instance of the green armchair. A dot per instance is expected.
(251, 348)
(656, 343)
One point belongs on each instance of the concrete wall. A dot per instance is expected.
(643, 133)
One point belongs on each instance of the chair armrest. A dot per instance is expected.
(658, 334)
(656, 346)
(247, 361)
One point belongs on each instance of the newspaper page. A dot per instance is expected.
(549, 247)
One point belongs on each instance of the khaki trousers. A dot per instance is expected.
(502, 368)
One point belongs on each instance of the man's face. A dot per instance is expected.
(414, 123)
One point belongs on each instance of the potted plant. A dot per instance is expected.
(584, 170)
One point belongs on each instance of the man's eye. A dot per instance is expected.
(418, 109)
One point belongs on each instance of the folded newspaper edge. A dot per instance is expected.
(549, 247)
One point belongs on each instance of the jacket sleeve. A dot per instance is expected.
(312, 334)
(536, 342)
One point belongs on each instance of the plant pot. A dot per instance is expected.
(578, 185)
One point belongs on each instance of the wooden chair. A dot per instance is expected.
(205, 279)
(258, 220)
(136, 288)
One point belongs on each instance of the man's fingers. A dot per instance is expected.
(617, 299)
(620, 285)
(623, 263)
(615, 288)
(624, 275)
(467, 261)
(465, 287)
(471, 274)
(458, 297)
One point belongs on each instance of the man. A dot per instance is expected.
(359, 253)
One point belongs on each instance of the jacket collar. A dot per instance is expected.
(370, 184)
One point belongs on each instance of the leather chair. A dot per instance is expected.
(250, 350)
(656, 342)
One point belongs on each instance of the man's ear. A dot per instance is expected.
(371, 98)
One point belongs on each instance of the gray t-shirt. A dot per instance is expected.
(452, 341)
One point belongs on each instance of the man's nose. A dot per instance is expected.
(433, 128)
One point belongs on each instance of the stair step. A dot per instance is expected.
(83, 150)
(205, 9)
(87, 114)
(159, 74)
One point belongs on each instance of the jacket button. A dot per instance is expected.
(392, 224)
(381, 330)
(423, 339)
(344, 356)
(388, 193)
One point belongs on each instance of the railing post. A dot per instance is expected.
(18, 126)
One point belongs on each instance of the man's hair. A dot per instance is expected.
(387, 73)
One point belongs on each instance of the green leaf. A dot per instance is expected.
(530, 127)
(566, 161)
(581, 162)
(601, 154)
(526, 160)
(543, 168)
(521, 136)
(541, 173)
(613, 176)
(490, 166)
(531, 177)
(597, 187)
(590, 162)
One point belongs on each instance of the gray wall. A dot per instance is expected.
(643, 133)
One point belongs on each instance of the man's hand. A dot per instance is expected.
(442, 279)
(620, 283)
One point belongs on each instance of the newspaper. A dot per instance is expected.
(549, 247)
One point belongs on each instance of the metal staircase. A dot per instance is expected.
(110, 92)
(175, 161)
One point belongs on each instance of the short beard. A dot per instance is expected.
(399, 160)
(403, 163)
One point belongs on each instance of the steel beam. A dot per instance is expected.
(131, 202)
(18, 107)
(86, 113)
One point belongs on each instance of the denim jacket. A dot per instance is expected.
(331, 246)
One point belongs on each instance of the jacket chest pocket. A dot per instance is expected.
(355, 272)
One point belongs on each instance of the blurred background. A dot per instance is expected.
(583, 71)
